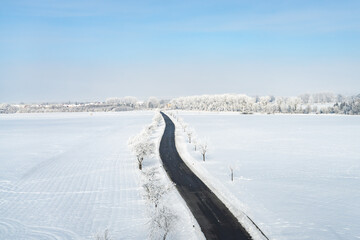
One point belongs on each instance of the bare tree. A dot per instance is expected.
(194, 141)
(203, 149)
(189, 134)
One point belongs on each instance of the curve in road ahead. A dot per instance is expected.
(215, 219)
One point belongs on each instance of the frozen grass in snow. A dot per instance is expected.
(296, 176)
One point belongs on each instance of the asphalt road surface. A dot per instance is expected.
(214, 218)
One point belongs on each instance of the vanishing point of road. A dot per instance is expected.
(215, 219)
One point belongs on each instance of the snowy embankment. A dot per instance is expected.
(70, 176)
(296, 176)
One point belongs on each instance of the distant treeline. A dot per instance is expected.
(110, 105)
(307, 103)
(319, 103)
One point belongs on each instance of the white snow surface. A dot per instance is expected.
(296, 176)
(70, 175)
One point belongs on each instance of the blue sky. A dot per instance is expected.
(89, 50)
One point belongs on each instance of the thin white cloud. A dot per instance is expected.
(306, 21)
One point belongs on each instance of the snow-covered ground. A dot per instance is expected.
(70, 175)
(296, 176)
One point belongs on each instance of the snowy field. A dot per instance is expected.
(70, 175)
(296, 176)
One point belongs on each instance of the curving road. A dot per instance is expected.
(214, 218)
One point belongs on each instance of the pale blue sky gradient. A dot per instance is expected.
(89, 50)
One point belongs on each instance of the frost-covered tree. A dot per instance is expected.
(130, 101)
(307, 109)
(157, 119)
(162, 222)
(319, 102)
(141, 146)
(154, 189)
(163, 218)
(295, 104)
(153, 102)
(262, 104)
(125, 102)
